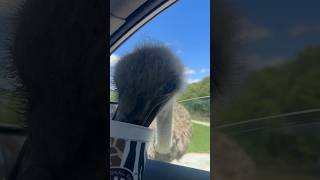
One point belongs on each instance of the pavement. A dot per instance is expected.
(201, 123)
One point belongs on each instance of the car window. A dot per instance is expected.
(267, 122)
(185, 29)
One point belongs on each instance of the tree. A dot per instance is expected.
(288, 87)
(198, 108)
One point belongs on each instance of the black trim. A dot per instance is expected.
(143, 11)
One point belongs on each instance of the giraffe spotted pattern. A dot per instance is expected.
(116, 151)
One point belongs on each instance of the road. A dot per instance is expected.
(201, 122)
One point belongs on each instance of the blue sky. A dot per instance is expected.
(278, 30)
(184, 27)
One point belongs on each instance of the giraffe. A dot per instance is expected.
(127, 158)
(116, 151)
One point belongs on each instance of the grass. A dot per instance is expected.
(200, 141)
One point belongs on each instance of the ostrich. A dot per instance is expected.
(140, 88)
(173, 130)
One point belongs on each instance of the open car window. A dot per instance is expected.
(174, 27)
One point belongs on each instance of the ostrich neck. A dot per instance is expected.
(164, 129)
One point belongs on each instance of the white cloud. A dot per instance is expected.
(190, 81)
(256, 61)
(114, 59)
(168, 43)
(204, 70)
(298, 30)
(179, 51)
(171, 43)
(189, 71)
(253, 32)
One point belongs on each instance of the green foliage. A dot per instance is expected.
(198, 89)
(289, 87)
(8, 109)
(286, 88)
(113, 96)
(199, 108)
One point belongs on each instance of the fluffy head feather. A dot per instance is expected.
(146, 80)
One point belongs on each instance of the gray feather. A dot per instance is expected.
(146, 80)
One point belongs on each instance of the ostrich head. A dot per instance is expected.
(146, 80)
